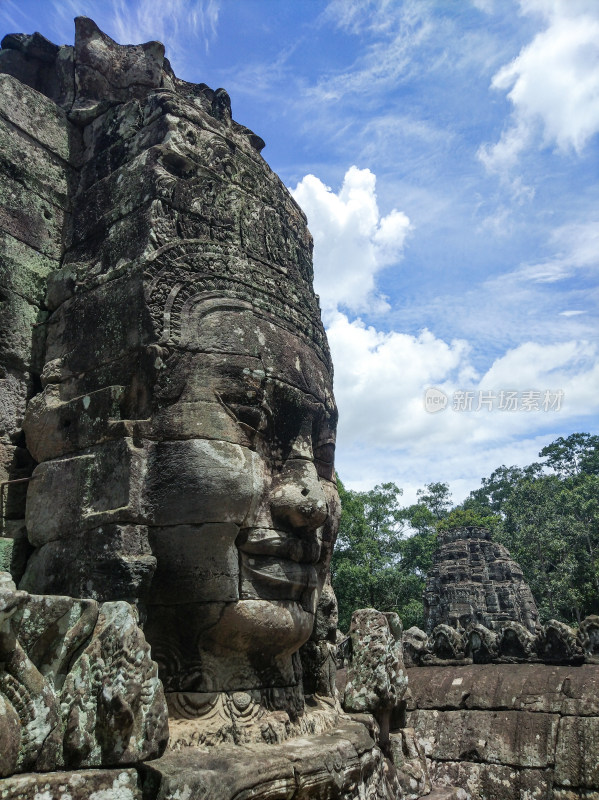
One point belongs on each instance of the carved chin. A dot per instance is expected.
(270, 627)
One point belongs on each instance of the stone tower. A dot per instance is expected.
(164, 367)
(475, 580)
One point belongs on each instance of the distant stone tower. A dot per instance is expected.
(474, 579)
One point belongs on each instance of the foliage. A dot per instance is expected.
(549, 516)
(363, 568)
(576, 455)
(376, 563)
(469, 517)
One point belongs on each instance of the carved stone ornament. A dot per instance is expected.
(77, 685)
(588, 637)
(185, 431)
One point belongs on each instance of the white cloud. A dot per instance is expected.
(352, 242)
(378, 16)
(484, 5)
(381, 376)
(165, 20)
(553, 84)
(385, 433)
(576, 247)
(398, 30)
(10, 15)
(380, 380)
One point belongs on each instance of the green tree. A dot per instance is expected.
(549, 520)
(575, 455)
(461, 517)
(435, 497)
(497, 488)
(384, 551)
(364, 564)
(546, 514)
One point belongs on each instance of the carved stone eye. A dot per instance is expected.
(252, 416)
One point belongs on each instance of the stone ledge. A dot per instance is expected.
(342, 763)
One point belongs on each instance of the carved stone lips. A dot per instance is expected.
(278, 565)
(277, 578)
(303, 549)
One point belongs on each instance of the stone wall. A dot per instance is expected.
(510, 731)
(36, 175)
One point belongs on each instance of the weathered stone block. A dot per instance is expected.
(409, 759)
(106, 563)
(108, 784)
(15, 463)
(117, 196)
(19, 339)
(73, 482)
(30, 218)
(23, 270)
(493, 782)
(513, 738)
(343, 763)
(220, 480)
(36, 115)
(5, 557)
(55, 428)
(14, 389)
(577, 754)
(128, 240)
(195, 563)
(106, 71)
(155, 174)
(31, 165)
(528, 687)
(101, 325)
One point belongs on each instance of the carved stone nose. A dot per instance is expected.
(298, 499)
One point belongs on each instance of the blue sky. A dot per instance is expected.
(446, 154)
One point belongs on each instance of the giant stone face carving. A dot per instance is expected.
(185, 432)
(245, 508)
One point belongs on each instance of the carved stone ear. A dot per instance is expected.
(107, 72)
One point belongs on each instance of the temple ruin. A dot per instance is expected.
(168, 629)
